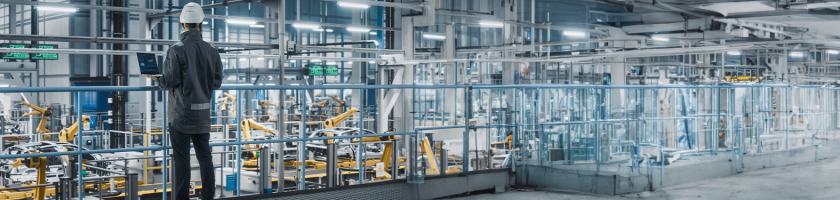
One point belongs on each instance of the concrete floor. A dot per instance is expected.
(817, 180)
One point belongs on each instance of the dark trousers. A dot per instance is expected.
(181, 156)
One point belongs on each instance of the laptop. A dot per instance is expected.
(148, 64)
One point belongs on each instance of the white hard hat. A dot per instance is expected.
(192, 13)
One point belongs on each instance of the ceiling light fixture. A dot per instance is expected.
(796, 54)
(832, 52)
(574, 33)
(257, 26)
(330, 62)
(329, 30)
(372, 62)
(434, 36)
(59, 9)
(357, 29)
(661, 39)
(315, 60)
(241, 21)
(306, 26)
(318, 29)
(493, 24)
(733, 53)
(373, 33)
(353, 5)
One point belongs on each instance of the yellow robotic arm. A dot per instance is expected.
(232, 98)
(224, 103)
(333, 122)
(38, 110)
(340, 103)
(44, 112)
(247, 125)
(265, 104)
(39, 163)
(322, 104)
(67, 134)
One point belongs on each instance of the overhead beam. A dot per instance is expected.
(343, 25)
(210, 6)
(111, 40)
(80, 6)
(226, 55)
(413, 6)
(693, 24)
(674, 8)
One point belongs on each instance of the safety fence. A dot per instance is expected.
(425, 130)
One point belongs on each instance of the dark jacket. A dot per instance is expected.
(191, 71)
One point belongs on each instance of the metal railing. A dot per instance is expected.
(519, 121)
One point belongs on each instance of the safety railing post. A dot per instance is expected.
(79, 143)
(238, 112)
(164, 134)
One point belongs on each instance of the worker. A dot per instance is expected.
(191, 71)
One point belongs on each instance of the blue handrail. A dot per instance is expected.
(315, 87)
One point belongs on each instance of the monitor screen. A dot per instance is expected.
(148, 63)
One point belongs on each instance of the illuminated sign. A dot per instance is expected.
(15, 55)
(331, 71)
(44, 56)
(316, 70)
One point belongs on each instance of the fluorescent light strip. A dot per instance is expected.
(661, 39)
(330, 62)
(329, 30)
(373, 33)
(832, 51)
(733, 53)
(796, 54)
(318, 29)
(493, 24)
(257, 26)
(574, 33)
(240, 21)
(434, 37)
(357, 29)
(353, 5)
(315, 60)
(306, 26)
(58, 9)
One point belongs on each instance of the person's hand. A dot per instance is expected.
(151, 77)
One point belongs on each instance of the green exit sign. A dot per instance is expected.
(331, 71)
(15, 55)
(316, 70)
(44, 56)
